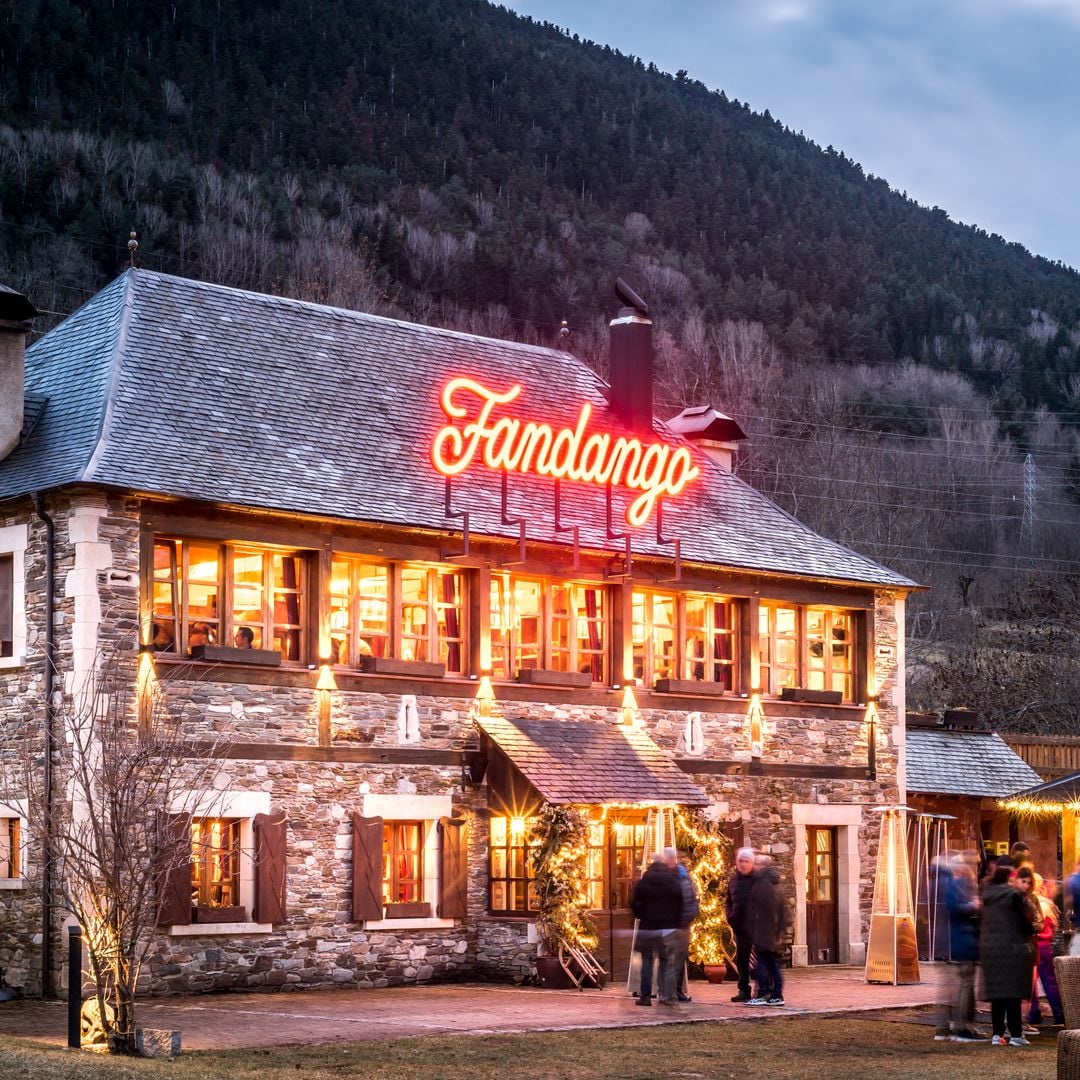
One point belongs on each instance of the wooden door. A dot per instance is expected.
(615, 853)
(821, 922)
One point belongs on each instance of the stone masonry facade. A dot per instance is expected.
(318, 945)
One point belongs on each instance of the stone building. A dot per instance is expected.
(422, 582)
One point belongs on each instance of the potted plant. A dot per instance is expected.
(558, 841)
(707, 852)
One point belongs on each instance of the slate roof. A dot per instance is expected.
(570, 761)
(161, 384)
(964, 763)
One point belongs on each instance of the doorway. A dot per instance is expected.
(616, 848)
(821, 911)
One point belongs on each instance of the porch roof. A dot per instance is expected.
(570, 761)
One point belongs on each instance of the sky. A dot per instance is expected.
(969, 105)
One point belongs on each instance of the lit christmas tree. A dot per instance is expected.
(706, 852)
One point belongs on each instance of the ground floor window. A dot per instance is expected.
(10, 847)
(215, 863)
(512, 889)
(403, 862)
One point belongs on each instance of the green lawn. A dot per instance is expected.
(776, 1049)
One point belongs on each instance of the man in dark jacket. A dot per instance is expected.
(657, 905)
(768, 924)
(737, 911)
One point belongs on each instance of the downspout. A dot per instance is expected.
(47, 985)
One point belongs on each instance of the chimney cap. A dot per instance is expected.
(705, 422)
(629, 297)
(14, 307)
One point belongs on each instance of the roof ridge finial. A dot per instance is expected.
(133, 247)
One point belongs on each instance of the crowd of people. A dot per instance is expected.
(665, 904)
(1004, 931)
(1006, 925)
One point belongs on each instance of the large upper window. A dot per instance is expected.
(409, 611)
(813, 648)
(225, 594)
(684, 636)
(546, 624)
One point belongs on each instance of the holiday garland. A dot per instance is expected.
(559, 843)
(706, 851)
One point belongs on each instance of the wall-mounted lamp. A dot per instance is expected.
(484, 702)
(871, 735)
(755, 717)
(629, 713)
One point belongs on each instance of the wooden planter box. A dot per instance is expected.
(219, 914)
(811, 697)
(387, 665)
(698, 688)
(227, 654)
(543, 677)
(419, 909)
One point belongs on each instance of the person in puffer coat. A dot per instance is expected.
(1007, 950)
(768, 926)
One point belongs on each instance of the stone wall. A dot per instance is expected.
(318, 945)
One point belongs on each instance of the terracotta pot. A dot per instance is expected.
(715, 973)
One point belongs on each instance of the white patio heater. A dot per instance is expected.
(892, 953)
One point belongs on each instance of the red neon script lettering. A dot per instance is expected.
(525, 446)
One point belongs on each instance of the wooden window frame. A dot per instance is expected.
(509, 879)
(11, 847)
(392, 881)
(511, 662)
(7, 605)
(802, 670)
(224, 623)
(394, 635)
(682, 664)
(550, 656)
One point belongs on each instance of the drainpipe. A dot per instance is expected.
(48, 988)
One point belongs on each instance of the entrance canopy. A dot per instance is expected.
(1053, 797)
(569, 761)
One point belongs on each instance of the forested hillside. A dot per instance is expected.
(911, 386)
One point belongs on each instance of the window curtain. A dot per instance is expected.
(721, 644)
(453, 648)
(290, 577)
(596, 668)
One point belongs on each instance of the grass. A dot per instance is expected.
(776, 1049)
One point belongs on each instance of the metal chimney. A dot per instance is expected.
(15, 315)
(630, 368)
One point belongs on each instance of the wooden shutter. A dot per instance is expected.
(174, 871)
(367, 847)
(453, 869)
(269, 832)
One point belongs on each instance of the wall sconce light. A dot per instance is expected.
(323, 687)
(484, 702)
(755, 721)
(630, 714)
(871, 735)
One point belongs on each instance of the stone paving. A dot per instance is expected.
(228, 1021)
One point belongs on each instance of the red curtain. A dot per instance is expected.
(449, 596)
(722, 644)
(596, 665)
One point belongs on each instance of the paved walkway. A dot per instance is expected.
(226, 1021)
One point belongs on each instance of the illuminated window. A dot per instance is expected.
(511, 867)
(813, 648)
(215, 862)
(709, 633)
(10, 847)
(546, 624)
(577, 639)
(683, 636)
(654, 635)
(430, 612)
(403, 862)
(614, 855)
(266, 591)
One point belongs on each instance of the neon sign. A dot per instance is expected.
(525, 446)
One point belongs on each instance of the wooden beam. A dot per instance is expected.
(365, 755)
(792, 770)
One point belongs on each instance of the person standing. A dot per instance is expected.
(768, 922)
(690, 908)
(957, 1021)
(657, 905)
(737, 912)
(1007, 952)
(1046, 919)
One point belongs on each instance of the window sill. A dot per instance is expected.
(388, 665)
(7, 663)
(220, 929)
(430, 923)
(12, 883)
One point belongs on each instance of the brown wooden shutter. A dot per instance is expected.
(367, 847)
(269, 832)
(453, 869)
(174, 871)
